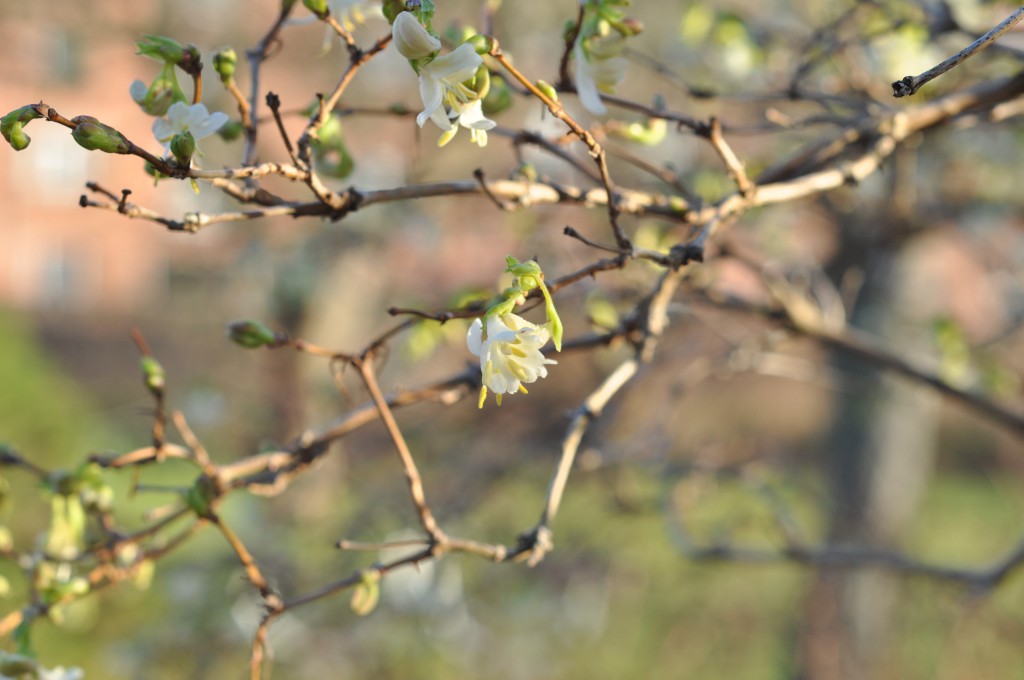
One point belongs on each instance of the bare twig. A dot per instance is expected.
(412, 475)
(908, 85)
(596, 151)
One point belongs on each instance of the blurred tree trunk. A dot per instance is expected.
(879, 456)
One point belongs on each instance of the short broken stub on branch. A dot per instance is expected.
(904, 87)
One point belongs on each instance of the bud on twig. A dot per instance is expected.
(11, 126)
(93, 135)
(183, 145)
(224, 63)
(153, 375)
(251, 334)
(317, 7)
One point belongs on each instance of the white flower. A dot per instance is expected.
(411, 38)
(509, 353)
(471, 117)
(598, 70)
(181, 117)
(446, 97)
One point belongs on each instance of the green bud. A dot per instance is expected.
(367, 593)
(161, 48)
(95, 136)
(329, 150)
(11, 126)
(481, 43)
(183, 145)
(548, 90)
(153, 375)
(162, 92)
(530, 277)
(231, 130)
(392, 8)
(224, 62)
(629, 27)
(498, 98)
(317, 7)
(200, 496)
(251, 334)
(648, 133)
(421, 9)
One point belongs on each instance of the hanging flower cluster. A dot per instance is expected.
(508, 345)
(600, 66)
(452, 86)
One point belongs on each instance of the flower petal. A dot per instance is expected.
(411, 38)
(457, 66)
(431, 92)
(475, 336)
(586, 85)
(138, 91)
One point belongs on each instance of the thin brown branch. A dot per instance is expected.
(595, 149)
(732, 163)
(412, 475)
(909, 85)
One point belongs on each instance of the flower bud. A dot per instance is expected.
(153, 375)
(95, 136)
(547, 90)
(251, 334)
(231, 130)
(422, 9)
(317, 7)
(481, 43)
(498, 97)
(11, 126)
(161, 94)
(412, 39)
(183, 145)
(199, 498)
(329, 151)
(224, 62)
(629, 27)
(648, 133)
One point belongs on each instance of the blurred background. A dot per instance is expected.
(737, 431)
